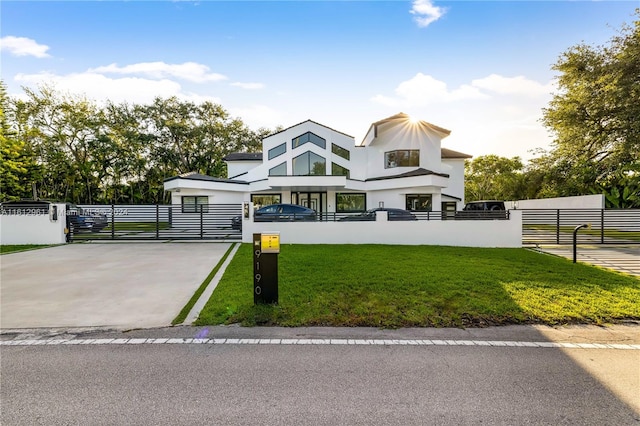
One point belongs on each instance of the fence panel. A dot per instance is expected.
(160, 222)
(555, 226)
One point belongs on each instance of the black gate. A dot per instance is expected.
(155, 222)
(555, 226)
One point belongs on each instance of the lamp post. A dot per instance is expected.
(575, 239)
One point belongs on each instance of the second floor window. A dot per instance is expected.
(402, 158)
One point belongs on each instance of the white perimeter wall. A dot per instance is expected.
(579, 202)
(33, 229)
(466, 233)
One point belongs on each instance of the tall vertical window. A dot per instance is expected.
(308, 137)
(338, 150)
(419, 202)
(348, 203)
(195, 204)
(278, 150)
(338, 170)
(309, 164)
(279, 170)
(402, 158)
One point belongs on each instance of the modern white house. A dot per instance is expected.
(399, 164)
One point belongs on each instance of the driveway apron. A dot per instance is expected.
(125, 285)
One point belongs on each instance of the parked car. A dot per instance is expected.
(79, 220)
(277, 213)
(392, 215)
(484, 209)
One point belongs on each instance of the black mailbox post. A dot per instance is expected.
(265, 268)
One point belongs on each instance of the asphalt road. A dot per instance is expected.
(193, 384)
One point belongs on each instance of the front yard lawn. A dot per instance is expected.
(415, 286)
(11, 248)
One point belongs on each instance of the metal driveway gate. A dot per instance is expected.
(158, 222)
(555, 226)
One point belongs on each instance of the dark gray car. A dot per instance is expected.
(277, 213)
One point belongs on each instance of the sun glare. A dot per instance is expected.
(413, 119)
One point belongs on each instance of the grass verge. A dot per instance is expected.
(190, 304)
(415, 286)
(13, 248)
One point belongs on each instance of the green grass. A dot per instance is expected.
(137, 226)
(21, 247)
(403, 286)
(190, 304)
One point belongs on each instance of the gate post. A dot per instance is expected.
(157, 221)
(201, 223)
(113, 222)
(558, 226)
(601, 226)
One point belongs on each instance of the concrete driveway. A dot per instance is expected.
(622, 258)
(116, 285)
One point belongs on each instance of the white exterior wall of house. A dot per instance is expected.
(239, 168)
(454, 167)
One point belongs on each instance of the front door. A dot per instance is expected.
(313, 200)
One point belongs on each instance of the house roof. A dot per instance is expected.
(243, 156)
(405, 120)
(449, 153)
(308, 121)
(412, 173)
(201, 177)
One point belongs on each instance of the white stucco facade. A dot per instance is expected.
(400, 163)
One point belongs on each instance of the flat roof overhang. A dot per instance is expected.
(307, 183)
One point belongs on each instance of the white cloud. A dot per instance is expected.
(99, 87)
(424, 90)
(248, 86)
(426, 12)
(190, 71)
(491, 115)
(256, 116)
(519, 85)
(22, 46)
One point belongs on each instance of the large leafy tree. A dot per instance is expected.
(595, 120)
(491, 177)
(18, 169)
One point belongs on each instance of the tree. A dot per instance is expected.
(595, 116)
(18, 169)
(491, 177)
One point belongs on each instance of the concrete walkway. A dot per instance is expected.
(123, 285)
(619, 258)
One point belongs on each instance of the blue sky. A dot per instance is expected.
(479, 68)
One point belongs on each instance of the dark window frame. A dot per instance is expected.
(295, 142)
(402, 158)
(279, 201)
(282, 147)
(309, 164)
(279, 165)
(196, 206)
(362, 194)
(339, 151)
(419, 196)
(333, 173)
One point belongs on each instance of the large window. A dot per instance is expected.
(347, 203)
(309, 164)
(279, 170)
(261, 200)
(195, 204)
(278, 150)
(338, 170)
(338, 150)
(402, 158)
(419, 202)
(308, 137)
